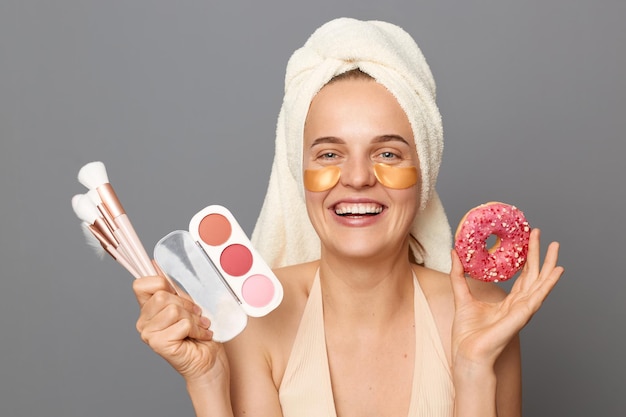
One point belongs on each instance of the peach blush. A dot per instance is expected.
(214, 229)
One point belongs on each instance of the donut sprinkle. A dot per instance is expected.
(507, 256)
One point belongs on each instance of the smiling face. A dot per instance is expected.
(355, 125)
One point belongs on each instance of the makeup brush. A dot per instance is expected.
(104, 212)
(93, 242)
(101, 246)
(94, 176)
(110, 241)
(87, 212)
(89, 207)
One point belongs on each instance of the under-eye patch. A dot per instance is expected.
(394, 177)
(398, 178)
(317, 180)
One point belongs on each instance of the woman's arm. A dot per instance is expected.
(210, 394)
(493, 390)
(508, 369)
(485, 346)
(174, 328)
(253, 390)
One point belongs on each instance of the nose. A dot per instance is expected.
(358, 173)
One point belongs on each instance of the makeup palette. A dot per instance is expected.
(185, 264)
(217, 266)
(244, 271)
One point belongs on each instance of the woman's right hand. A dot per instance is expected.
(174, 328)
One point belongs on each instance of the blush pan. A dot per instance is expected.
(236, 260)
(214, 229)
(249, 278)
(258, 290)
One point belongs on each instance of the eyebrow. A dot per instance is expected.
(377, 139)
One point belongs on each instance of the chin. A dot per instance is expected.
(362, 248)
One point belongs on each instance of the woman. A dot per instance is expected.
(371, 323)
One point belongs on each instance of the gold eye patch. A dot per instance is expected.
(398, 178)
(317, 180)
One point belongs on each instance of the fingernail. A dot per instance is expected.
(204, 322)
(197, 310)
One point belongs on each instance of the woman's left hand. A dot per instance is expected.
(481, 330)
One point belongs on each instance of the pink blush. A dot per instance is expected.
(257, 290)
(236, 260)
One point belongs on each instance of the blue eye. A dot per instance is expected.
(388, 155)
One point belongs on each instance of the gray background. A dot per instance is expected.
(180, 99)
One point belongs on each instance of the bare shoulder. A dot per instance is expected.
(437, 287)
(267, 340)
(296, 281)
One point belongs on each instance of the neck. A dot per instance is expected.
(358, 289)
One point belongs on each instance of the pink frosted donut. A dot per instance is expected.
(507, 256)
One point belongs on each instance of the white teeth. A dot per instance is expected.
(360, 209)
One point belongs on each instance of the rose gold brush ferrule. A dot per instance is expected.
(119, 241)
(134, 247)
(112, 249)
(105, 230)
(100, 236)
(108, 196)
(108, 219)
(114, 252)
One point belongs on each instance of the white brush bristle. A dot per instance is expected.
(75, 200)
(93, 175)
(84, 208)
(94, 197)
(92, 241)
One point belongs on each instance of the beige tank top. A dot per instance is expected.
(306, 391)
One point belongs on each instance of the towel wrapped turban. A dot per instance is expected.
(283, 234)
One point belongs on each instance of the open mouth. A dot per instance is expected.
(358, 209)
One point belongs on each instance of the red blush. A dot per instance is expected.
(236, 260)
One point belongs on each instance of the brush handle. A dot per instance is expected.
(122, 261)
(144, 264)
(125, 247)
(132, 243)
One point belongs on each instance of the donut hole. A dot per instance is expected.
(492, 243)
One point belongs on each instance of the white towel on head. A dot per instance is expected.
(283, 233)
